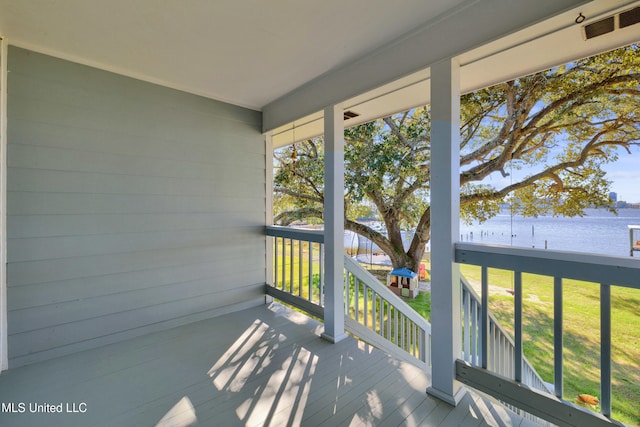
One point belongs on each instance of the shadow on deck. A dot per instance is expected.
(261, 366)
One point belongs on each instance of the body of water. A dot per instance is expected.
(598, 231)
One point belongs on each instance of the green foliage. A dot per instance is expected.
(538, 142)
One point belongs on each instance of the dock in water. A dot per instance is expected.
(634, 242)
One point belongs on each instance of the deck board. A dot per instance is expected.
(261, 366)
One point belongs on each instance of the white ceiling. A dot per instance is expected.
(546, 44)
(289, 58)
(246, 52)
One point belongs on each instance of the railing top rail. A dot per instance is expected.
(307, 235)
(619, 271)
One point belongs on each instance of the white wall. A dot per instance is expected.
(131, 207)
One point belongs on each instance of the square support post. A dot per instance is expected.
(445, 217)
(334, 224)
(268, 217)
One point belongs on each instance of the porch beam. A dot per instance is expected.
(445, 214)
(334, 224)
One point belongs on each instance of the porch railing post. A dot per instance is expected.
(605, 350)
(334, 223)
(558, 340)
(445, 213)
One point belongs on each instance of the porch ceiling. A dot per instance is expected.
(292, 58)
(247, 52)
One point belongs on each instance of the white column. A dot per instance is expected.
(334, 224)
(4, 358)
(268, 217)
(445, 214)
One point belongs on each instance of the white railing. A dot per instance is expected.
(501, 351)
(604, 270)
(372, 312)
(298, 263)
(371, 306)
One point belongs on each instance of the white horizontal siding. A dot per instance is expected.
(29, 273)
(27, 226)
(131, 207)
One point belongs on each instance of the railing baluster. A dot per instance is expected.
(422, 342)
(413, 338)
(381, 314)
(518, 324)
(557, 337)
(484, 342)
(492, 353)
(291, 266)
(474, 332)
(411, 342)
(499, 353)
(284, 262)
(300, 243)
(356, 298)
(347, 290)
(321, 275)
(605, 350)
(366, 306)
(403, 337)
(467, 326)
(275, 260)
(388, 321)
(395, 326)
(373, 310)
(310, 282)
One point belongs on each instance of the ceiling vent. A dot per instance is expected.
(599, 28)
(629, 17)
(611, 23)
(350, 115)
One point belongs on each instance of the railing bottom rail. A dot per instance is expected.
(535, 402)
(295, 301)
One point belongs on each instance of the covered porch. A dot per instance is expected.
(135, 189)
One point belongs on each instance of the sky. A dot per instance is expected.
(625, 176)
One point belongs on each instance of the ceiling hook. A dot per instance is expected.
(580, 19)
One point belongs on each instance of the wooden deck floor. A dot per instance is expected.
(262, 366)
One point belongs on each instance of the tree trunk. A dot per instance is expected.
(410, 259)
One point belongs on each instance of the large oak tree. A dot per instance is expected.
(549, 133)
